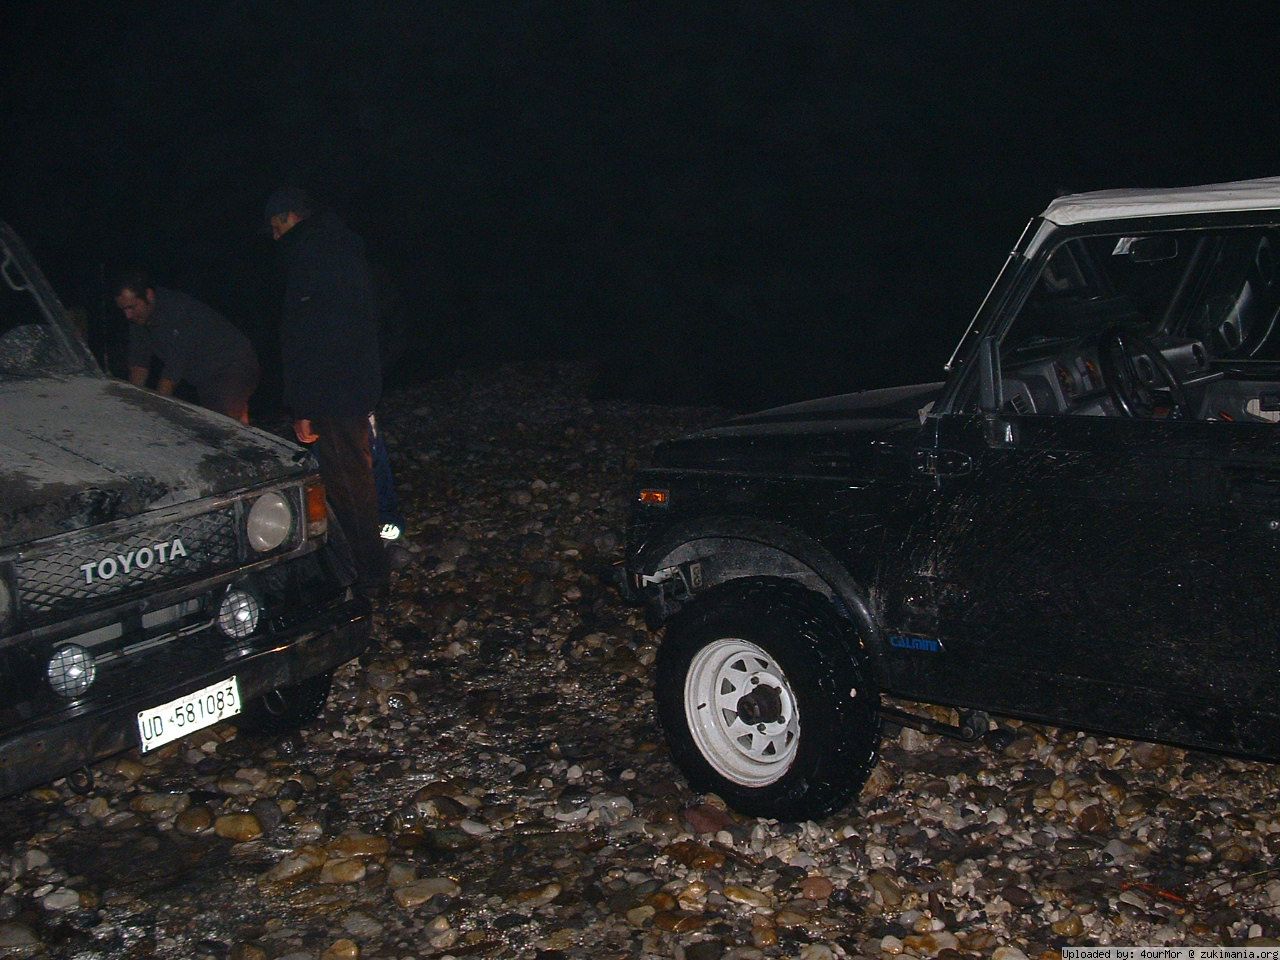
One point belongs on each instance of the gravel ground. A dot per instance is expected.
(490, 782)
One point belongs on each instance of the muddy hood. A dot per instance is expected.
(79, 451)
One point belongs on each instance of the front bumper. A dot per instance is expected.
(50, 747)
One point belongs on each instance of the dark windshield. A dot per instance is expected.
(1217, 286)
(35, 340)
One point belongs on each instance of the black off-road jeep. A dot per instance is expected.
(1080, 525)
(161, 567)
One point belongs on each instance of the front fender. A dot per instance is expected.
(731, 548)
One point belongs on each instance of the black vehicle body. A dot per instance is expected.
(1064, 530)
(126, 524)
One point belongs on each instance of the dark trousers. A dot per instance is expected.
(346, 467)
(229, 394)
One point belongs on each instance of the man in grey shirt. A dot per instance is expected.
(193, 342)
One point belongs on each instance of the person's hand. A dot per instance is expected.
(305, 434)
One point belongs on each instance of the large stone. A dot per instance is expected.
(17, 937)
(238, 827)
(1093, 819)
(816, 888)
(303, 861)
(1070, 926)
(131, 770)
(61, 899)
(879, 783)
(359, 845)
(342, 950)
(639, 916)
(930, 944)
(539, 896)
(150, 803)
(418, 892)
(706, 818)
(886, 886)
(747, 896)
(696, 855)
(679, 921)
(194, 820)
(343, 871)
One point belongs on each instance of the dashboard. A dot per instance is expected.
(1069, 379)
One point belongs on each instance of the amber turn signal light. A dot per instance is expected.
(654, 498)
(317, 510)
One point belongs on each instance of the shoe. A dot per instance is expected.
(389, 532)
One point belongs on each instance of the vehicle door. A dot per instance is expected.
(1051, 530)
(1234, 547)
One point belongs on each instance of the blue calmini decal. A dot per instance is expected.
(923, 644)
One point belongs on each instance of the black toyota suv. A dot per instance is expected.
(1079, 525)
(162, 568)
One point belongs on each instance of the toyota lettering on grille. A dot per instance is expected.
(107, 568)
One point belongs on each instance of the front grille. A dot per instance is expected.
(95, 570)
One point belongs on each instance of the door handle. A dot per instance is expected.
(1259, 491)
(1000, 432)
(943, 463)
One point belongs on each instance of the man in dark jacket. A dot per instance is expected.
(194, 342)
(329, 344)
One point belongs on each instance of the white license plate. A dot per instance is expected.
(177, 718)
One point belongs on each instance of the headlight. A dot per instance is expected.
(71, 670)
(239, 613)
(270, 522)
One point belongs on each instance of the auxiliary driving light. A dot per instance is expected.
(270, 521)
(239, 613)
(71, 670)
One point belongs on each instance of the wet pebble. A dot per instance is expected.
(194, 820)
(238, 827)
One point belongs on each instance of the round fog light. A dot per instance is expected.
(269, 522)
(71, 670)
(238, 615)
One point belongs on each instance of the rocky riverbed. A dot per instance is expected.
(491, 782)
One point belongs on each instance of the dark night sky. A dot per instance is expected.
(737, 202)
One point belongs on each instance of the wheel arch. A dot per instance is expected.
(730, 549)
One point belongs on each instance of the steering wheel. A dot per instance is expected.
(1134, 394)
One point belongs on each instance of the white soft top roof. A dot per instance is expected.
(1243, 195)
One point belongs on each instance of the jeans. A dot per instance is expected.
(388, 503)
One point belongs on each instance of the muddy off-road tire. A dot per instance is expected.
(285, 709)
(764, 701)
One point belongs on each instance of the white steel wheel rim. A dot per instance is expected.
(741, 712)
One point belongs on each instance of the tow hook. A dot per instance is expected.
(81, 781)
(665, 591)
